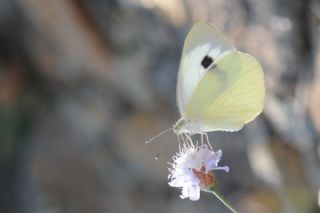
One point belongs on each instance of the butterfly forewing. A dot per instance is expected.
(202, 47)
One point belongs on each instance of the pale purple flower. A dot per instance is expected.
(192, 170)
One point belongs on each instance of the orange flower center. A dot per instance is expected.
(207, 180)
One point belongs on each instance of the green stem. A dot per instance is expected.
(232, 209)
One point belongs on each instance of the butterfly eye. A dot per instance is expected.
(206, 61)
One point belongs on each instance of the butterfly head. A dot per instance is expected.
(179, 126)
(186, 126)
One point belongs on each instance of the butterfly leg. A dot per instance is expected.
(208, 141)
(189, 139)
(183, 139)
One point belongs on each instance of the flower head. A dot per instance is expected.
(192, 170)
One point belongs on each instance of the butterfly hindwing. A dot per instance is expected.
(229, 95)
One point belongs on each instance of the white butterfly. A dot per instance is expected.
(219, 87)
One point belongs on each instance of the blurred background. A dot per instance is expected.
(83, 83)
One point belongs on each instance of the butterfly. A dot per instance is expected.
(219, 88)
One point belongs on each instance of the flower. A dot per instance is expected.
(192, 170)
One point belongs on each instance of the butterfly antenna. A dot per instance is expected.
(161, 133)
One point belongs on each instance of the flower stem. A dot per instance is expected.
(228, 205)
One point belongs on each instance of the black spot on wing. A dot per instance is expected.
(206, 61)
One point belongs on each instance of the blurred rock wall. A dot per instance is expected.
(83, 83)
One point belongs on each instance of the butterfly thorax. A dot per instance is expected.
(187, 126)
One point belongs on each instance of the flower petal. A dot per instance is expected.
(217, 155)
(225, 168)
(194, 192)
(184, 192)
